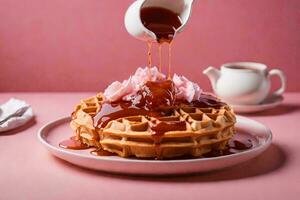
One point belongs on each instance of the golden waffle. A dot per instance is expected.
(207, 129)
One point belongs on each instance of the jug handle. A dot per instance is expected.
(282, 78)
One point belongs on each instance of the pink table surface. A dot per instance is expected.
(28, 171)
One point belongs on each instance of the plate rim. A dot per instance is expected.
(52, 124)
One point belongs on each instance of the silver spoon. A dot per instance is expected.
(18, 113)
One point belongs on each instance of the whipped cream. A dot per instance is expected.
(185, 89)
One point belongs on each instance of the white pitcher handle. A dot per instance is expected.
(281, 76)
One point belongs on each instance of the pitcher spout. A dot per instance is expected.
(135, 26)
(213, 75)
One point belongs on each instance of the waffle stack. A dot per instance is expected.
(207, 129)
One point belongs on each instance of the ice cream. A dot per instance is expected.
(185, 89)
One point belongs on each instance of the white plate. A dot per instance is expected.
(54, 132)
(269, 103)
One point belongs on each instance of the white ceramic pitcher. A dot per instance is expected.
(135, 26)
(244, 83)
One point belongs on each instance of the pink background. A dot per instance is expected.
(82, 45)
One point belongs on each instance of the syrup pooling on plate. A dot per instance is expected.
(102, 152)
(74, 144)
(234, 146)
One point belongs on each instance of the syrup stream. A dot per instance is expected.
(159, 57)
(169, 66)
(149, 54)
